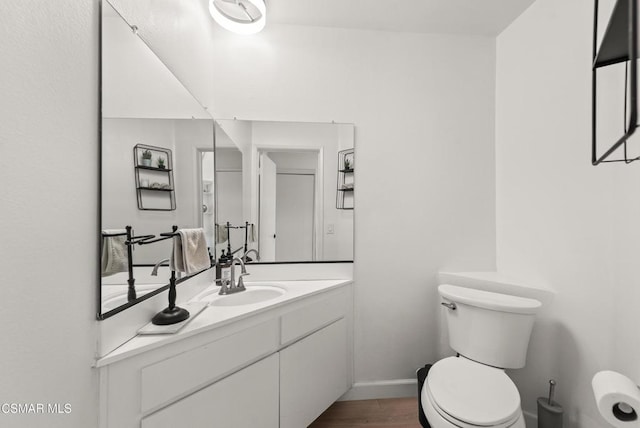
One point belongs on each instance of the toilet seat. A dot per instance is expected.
(470, 394)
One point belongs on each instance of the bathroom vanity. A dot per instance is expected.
(278, 362)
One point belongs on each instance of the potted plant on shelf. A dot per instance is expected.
(347, 164)
(146, 158)
(161, 164)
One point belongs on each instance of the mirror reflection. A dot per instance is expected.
(157, 165)
(285, 189)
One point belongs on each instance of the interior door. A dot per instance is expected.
(295, 217)
(267, 225)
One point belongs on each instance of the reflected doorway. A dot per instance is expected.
(288, 205)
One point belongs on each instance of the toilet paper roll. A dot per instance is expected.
(618, 399)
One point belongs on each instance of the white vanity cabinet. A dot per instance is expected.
(313, 373)
(278, 367)
(248, 398)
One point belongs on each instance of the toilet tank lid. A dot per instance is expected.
(488, 300)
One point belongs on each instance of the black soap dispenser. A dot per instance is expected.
(219, 264)
(223, 268)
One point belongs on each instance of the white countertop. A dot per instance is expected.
(214, 317)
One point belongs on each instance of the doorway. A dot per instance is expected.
(288, 198)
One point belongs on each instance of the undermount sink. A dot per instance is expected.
(253, 294)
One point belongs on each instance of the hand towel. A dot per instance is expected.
(114, 252)
(252, 232)
(190, 253)
(222, 233)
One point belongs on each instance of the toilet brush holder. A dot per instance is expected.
(549, 412)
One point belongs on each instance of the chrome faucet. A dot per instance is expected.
(253, 250)
(230, 286)
(154, 271)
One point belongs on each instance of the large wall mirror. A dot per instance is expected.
(157, 166)
(285, 189)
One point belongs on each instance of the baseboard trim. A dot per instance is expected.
(530, 419)
(378, 389)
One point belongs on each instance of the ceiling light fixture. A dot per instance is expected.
(239, 16)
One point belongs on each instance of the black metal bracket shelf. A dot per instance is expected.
(619, 45)
(345, 180)
(162, 173)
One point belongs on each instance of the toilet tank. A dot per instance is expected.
(490, 328)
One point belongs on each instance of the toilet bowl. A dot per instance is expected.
(462, 393)
(490, 332)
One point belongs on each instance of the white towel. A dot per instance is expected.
(114, 252)
(190, 253)
(252, 233)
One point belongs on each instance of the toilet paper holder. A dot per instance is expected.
(624, 412)
(617, 398)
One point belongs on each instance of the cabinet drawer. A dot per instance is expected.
(313, 374)
(246, 399)
(313, 316)
(167, 380)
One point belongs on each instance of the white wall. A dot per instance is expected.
(559, 218)
(423, 108)
(138, 84)
(237, 133)
(295, 161)
(49, 252)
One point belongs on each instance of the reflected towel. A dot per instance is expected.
(222, 233)
(114, 252)
(252, 233)
(190, 253)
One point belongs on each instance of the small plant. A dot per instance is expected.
(146, 154)
(161, 164)
(347, 163)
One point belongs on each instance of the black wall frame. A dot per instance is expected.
(619, 44)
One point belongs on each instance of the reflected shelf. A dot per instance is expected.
(155, 188)
(153, 168)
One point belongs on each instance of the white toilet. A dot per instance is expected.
(490, 332)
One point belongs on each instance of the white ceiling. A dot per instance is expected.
(485, 17)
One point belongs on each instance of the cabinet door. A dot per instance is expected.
(313, 374)
(246, 399)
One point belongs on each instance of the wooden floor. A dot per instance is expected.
(388, 413)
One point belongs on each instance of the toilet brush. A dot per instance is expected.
(549, 412)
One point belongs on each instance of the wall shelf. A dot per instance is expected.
(165, 199)
(155, 189)
(344, 193)
(154, 168)
(615, 42)
(619, 45)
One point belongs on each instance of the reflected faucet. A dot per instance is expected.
(247, 259)
(231, 287)
(154, 272)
